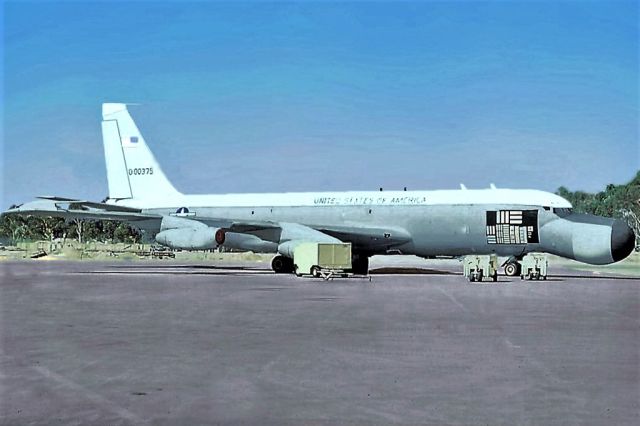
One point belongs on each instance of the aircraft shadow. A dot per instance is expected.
(206, 267)
(409, 271)
(594, 277)
(182, 273)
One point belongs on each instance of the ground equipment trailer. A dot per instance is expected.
(477, 267)
(324, 260)
(534, 266)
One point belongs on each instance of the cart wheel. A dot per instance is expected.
(315, 271)
(479, 276)
(472, 277)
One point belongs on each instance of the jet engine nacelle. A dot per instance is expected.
(248, 242)
(200, 238)
(587, 238)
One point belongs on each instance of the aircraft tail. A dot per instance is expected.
(132, 170)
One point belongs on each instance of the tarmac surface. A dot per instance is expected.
(169, 343)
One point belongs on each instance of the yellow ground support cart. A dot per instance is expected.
(324, 260)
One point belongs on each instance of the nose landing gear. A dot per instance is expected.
(512, 268)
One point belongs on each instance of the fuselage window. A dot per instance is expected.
(562, 212)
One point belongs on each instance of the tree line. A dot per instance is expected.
(620, 201)
(15, 228)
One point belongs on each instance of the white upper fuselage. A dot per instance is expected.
(526, 197)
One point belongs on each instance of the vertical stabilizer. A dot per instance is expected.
(132, 170)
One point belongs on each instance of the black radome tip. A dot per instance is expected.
(623, 240)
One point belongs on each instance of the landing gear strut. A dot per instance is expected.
(360, 265)
(282, 265)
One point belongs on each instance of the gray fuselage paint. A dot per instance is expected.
(436, 230)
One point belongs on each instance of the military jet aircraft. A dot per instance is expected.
(506, 222)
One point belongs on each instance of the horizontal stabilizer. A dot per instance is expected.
(108, 207)
(77, 209)
(78, 204)
(55, 198)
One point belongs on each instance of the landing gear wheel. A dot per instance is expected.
(495, 277)
(282, 265)
(512, 269)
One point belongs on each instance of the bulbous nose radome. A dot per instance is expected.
(623, 240)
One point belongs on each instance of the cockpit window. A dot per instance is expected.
(563, 212)
(547, 208)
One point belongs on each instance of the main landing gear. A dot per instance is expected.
(282, 265)
(360, 264)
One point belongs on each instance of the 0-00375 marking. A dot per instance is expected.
(141, 171)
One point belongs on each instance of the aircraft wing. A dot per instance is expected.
(78, 209)
(359, 235)
(247, 227)
(367, 236)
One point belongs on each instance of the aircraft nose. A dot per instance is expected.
(623, 240)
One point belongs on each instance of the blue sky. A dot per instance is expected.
(260, 97)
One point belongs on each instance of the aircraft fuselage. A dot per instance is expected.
(433, 226)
